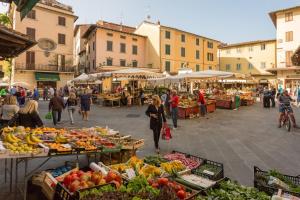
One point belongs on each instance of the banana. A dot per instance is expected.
(35, 139)
(28, 140)
(9, 138)
(60, 139)
(15, 138)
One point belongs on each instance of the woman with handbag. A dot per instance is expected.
(71, 105)
(157, 116)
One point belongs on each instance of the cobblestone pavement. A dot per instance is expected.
(239, 139)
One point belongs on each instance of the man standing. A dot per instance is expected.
(201, 103)
(174, 106)
(56, 105)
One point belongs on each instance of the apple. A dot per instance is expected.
(96, 177)
(85, 177)
(74, 177)
(91, 184)
(110, 177)
(83, 185)
(74, 186)
(67, 180)
(80, 173)
(117, 184)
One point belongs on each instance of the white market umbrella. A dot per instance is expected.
(135, 73)
(21, 84)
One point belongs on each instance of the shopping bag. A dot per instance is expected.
(48, 116)
(166, 132)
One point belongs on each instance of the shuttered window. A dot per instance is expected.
(30, 59)
(61, 38)
(31, 33)
(61, 21)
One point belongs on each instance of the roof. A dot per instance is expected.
(116, 27)
(176, 29)
(94, 27)
(224, 46)
(56, 4)
(86, 26)
(283, 69)
(13, 43)
(273, 13)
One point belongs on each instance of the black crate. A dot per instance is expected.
(217, 176)
(270, 190)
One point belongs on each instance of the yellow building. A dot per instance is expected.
(251, 58)
(171, 49)
(50, 62)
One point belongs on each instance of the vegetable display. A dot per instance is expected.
(189, 162)
(154, 160)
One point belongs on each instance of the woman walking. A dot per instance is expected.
(156, 113)
(85, 104)
(71, 106)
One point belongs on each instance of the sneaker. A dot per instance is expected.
(157, 150)
(174, 128)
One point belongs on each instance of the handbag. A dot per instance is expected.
(48, 116)
(14, 120)
(166, 132)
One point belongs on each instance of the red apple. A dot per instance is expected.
(83, 185)
(96, 177)
(74, 186)
(110, 177)
(85, 177)
(80, 173)
(67, 180)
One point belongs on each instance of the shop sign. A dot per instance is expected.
(263, 81)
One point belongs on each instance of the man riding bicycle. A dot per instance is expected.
(285, 105)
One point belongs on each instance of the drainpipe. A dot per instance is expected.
(203, 53)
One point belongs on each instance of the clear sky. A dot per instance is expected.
(229, 21)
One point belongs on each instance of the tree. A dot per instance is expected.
(5, 20)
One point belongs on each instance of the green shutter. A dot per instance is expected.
(41, 76)
(25, 7)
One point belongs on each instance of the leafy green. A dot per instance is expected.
(293, 187)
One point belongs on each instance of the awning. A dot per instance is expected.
(41, 76)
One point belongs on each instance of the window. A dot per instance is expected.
(134, 63)
(228, 67)
(182, 52)
(62, 61)
(228, 51)
(168, 66)
(109, 46)
(250, 49)
(168, 35)
(197, 41)
(263, 47)
(123, 37)
(94, 64)
(289, 36)
(134, 49)
(109, 34)
(197, 68)
(123, 48)
(238, 66)
(182, 38)
(262, 65)
(30, 59)
(123, 63)
(210, 56)
(288, 58)
(210, 67)
(31, 33)
(289, 16)
(167, 49)
(109, 61)
(182, 65)
(94, 46)
(134, 39)
(31, 14)
(239, 50)
(250, 66)
(61, 21)
(210, 45)
(61, 38)
(197, 54)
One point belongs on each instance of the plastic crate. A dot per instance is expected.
(217, 176)
(270, 190)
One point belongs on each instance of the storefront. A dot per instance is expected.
(46, 79)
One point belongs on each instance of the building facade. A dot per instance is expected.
(50, 62)
(171, 49)
(80, 48)
(287, 23)
(111, 46)
(251, 58)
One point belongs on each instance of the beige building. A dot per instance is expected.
(50, 62)
(171, 49)
(251, 58)
(287, 24)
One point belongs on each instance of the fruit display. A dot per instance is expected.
(59, 147)
(173, 166)
(189, 161)
(194, 181)
(150, 171)
(85, 145)
(187, 102)
(121, 168)
(155, 160)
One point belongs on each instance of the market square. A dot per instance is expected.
(140, 101)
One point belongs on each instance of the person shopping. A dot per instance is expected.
(27, 116)
(71, 105)
(174, 108)
(56, 105)
(156, 113)
(9, 109)
(202, 104)
(85, 104)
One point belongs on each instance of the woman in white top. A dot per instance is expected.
(8, 109)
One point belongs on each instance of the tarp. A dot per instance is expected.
(84, 78)
(44, 76)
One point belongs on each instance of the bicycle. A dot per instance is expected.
(286, 120)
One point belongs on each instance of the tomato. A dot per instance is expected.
(181, 194)
(150, 182)
(171, 185)
(155, 185)
(163, 181)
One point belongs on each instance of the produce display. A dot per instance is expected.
(155, 160)
(229, 190)
(173, 166)
(194, 181)
(208, 170)
(60, 171)
(188, 161)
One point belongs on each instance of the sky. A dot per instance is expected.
(229, 21)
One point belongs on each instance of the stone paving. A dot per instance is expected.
(240, 139)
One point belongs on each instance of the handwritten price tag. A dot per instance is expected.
(130, 173)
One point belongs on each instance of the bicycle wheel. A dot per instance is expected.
(288, 124)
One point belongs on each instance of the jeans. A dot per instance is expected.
(71, 110)
(202, 110)
(273, 101)
(174, 116)
(156, 135)
(56, 116)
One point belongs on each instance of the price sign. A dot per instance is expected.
(130, 173)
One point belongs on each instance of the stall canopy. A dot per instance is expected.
(23, 6)
(84, 79)
(43, 76)
(13, 43)
(135, 73)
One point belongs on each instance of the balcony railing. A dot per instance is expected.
(40, 67)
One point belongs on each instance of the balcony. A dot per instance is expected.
(44, 68)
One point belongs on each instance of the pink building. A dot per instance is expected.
(112, 46)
